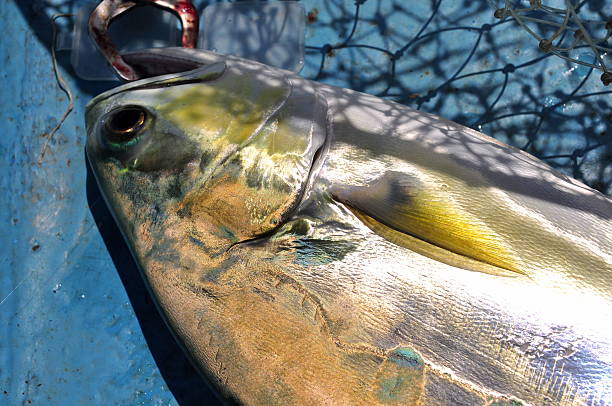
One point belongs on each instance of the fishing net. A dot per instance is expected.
(531, 74)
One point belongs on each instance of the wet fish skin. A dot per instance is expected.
(314, 245)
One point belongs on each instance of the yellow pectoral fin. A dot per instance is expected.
(430, 250)
(401, 209)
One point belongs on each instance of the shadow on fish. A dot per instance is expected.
(312, 245)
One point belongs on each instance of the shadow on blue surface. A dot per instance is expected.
(186, 385)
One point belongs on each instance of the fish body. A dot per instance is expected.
(314, 245)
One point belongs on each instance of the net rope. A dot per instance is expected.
(564, 21)
(542, 89)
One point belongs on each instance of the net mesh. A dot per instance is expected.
(529, 74)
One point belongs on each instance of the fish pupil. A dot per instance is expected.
(124, 124)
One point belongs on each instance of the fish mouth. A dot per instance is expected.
(150, 63)
(157, 64)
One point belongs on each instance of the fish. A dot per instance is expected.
(311, 245)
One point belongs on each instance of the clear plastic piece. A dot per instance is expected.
(267, 32)
(140, 28)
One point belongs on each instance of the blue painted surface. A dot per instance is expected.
(69, 301)
(76, 325)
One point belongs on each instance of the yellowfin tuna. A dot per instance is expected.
(310, 245)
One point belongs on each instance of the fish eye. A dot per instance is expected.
(124, 124)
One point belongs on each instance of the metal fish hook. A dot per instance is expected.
(107, 10)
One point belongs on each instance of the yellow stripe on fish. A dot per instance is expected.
(399, 208)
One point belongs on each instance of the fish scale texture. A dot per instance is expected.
(77, 326)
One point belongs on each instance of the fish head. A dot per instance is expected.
(228, 147)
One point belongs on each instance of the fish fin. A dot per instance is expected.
(404, 210)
